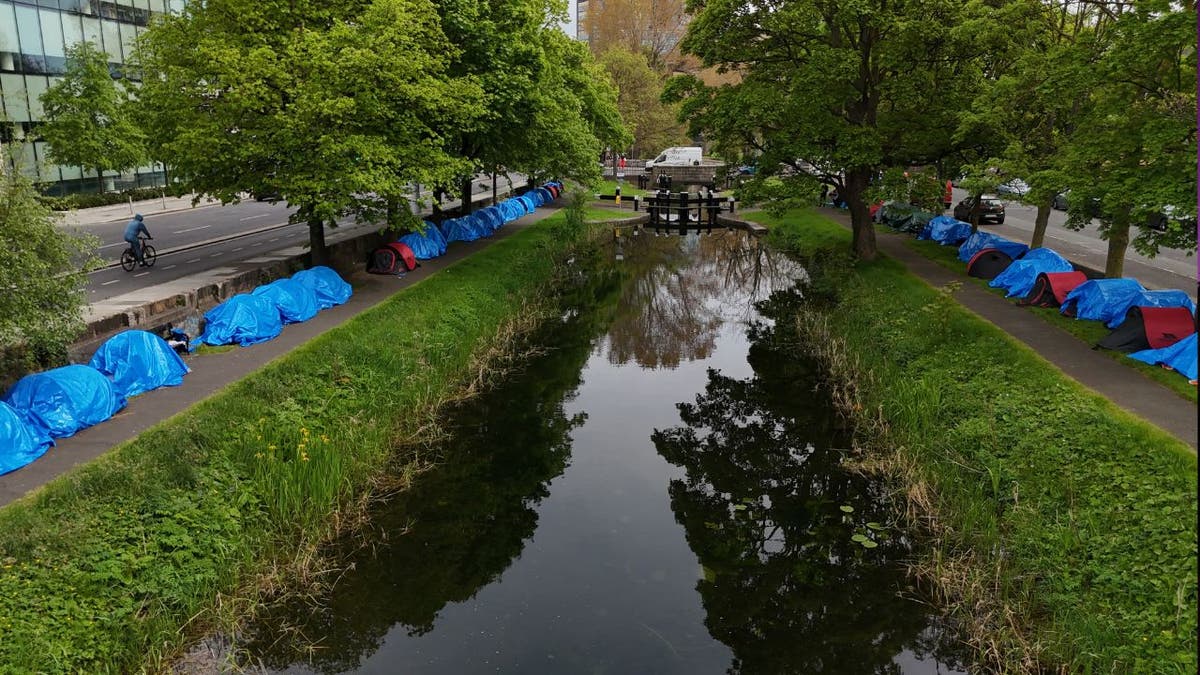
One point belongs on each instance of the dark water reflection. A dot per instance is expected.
(661, 492)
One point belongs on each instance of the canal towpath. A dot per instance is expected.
(213, 371)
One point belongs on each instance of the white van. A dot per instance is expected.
(677, 156)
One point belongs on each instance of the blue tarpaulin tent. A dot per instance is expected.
(492, 216)
(543, 195)
(59, 402)
(945, 230)
(478, 225)
(1019, 277)
(1101, 299)
(456, 229)
(20, 443)
(981, 240)
(295, 301)
(244, 319)
(1160, 298)
(1181, 357)
(529, 202)
(512, 209)
(138, 362)
(326, 283)
(426, 244)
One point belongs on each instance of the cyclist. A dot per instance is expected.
(136, 227)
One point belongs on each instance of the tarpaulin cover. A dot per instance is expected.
(1101, 299)
(295, 301)
(529, 202)
(491, 216)
(138, 361)
(1160, 298)
(981, 240)
(244, 319)
(59, 402)
(512, 209)
(554, 190)
(427, 244)
(1020, 276)
(544, 196)
(479, 225)
(945, 230)
(20, 443)
(457, 229)
(1181, 356)
(326, 283)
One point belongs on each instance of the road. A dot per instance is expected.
(1171, 268)
(207, 237)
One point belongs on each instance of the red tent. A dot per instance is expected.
(1051, 288)
(392, 258)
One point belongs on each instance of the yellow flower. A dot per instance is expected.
(272, 448)
(304, 456)
(304, 430)
(258, 455)
(301, 446)
(324, 438)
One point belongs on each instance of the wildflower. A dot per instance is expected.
(272, 448)
(304, 430)
(304, 457)
(324, 438)
(258, 455)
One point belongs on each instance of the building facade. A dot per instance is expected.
(34, 36)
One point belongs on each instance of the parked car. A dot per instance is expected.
(1158, 221)
(1062, 202)
(1013, 188)
(991, 210)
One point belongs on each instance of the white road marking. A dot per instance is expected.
(142, 274)
(192, 229)
(192, 261)
(259, 243)
(110, 282)
(213, 255)
(272, 241)
(170, 267)
(261, 215)
(240, 248)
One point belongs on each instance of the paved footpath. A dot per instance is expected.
(211, 372)
(1124, 386)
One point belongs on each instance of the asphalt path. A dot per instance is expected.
(204, 238)
(1171, 268)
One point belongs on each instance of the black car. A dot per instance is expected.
(991, 210)
(1062, 201)
(1159, 220)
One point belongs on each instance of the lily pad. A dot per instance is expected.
(846, 508)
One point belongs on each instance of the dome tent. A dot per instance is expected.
(1180, 357)
(1020, 277)
(1101, 299)
(244, 319)
(295, 301)
(988, 263)
(59, 402)
(20, 443)
(981, 240)
(426, 244)
(1156, 298)
(138, 361)
(457, 229)
(330, 288)
(1051, 288)
(1150, 328)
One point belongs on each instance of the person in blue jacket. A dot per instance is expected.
(132, 230)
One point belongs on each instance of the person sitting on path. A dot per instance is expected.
(133, 228)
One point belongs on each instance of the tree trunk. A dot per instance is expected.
(494, 202)
(100, 180)
(860, 218)
(316, 241)
(1039, 224)
(466, 195)
(1118, 242)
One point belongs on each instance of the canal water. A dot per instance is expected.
(660, 491)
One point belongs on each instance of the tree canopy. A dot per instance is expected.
(651, 123)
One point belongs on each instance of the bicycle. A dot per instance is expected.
(129, 260)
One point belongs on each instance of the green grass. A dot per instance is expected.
(110, 567)
(628, 187)
(1089, 332)
(1075, 516)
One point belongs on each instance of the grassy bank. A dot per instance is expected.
(1063, 530)
(1090, 332)
(112, 567)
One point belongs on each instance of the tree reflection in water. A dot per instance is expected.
(785, 586)
(681, 291)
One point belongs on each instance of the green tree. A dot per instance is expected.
(87, 117)
(651, 122)
(335, 107)
(42, 277)
(833, 91)
(1134, 148)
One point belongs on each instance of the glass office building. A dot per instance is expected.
(34, 36)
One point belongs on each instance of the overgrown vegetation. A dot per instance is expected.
(1063, 529)
(1089, 332)
(112, 567)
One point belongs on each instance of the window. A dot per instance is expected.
(10, 48)
(72, 30)
(112, 40)
(33, 59)
(15, 105)
(36, 85)
(52, 41)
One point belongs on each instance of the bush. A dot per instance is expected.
(87, 201)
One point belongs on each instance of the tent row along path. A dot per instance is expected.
(1153, 326)
(57, 403)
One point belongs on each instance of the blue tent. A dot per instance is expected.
(945, 230)
(543, 195)
(20, 443)
(981, 240)
(1018, 278)
(1160, 298)
(426, 244)
(1101, 299)
(492, 216)
(244, 319)
(57, 403)
(478, 225)
(295, 301)
(512, 209)
(528, 201)
(457, 229)
(138, 362)
(1181, 356)
(326, 283)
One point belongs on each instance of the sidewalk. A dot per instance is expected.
(211, 372)
(124, 211)
(1124, 386)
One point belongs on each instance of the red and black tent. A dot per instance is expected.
(393, 258)
(988, 263)
(1150, 328)
(1051, 288)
